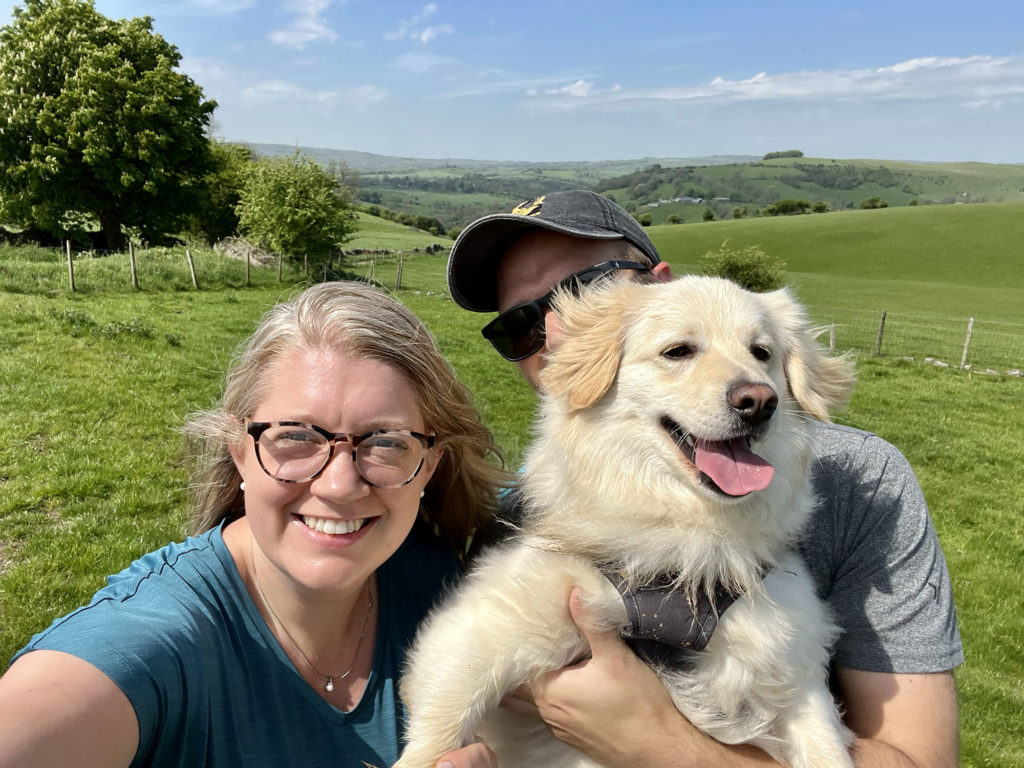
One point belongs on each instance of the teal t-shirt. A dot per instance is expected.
(211, 686)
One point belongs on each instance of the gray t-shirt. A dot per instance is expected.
(875, 558)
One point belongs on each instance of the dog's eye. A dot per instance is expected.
(761, 353)
(678, 351)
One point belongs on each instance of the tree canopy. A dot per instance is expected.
(293, 206)
(100, 126)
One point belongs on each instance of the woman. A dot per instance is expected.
(342, 472)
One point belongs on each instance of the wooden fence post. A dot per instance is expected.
(398, 276)
(248, 257)
(305, 264)
(967, 342)
(131, 260)
(878, 341)
(192, 268)
(71, 268)
(280, 263)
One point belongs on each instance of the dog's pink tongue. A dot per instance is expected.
(733, 466)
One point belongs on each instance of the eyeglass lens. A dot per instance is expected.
(296, 453)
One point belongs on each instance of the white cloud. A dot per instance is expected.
(487, 82)
(279, 91)
(579, 89)
(413, 28)
(420, 63)
(970, 80)
(308, 26)
(429, 33)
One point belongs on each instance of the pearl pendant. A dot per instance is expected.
(330, 685)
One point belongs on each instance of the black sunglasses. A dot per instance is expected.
(518, 332)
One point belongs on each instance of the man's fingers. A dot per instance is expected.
(598, 639)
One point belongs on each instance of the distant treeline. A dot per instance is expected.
(524, 188)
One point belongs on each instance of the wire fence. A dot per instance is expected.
(970, 343)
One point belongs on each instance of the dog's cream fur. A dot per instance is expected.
(606, 483)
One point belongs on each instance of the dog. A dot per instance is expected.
(668, 480)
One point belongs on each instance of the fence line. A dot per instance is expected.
(976, 343)
(972, 343)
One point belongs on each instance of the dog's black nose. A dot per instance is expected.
(755, 403)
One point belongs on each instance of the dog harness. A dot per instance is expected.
(663, 625)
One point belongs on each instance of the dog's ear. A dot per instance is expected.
(820, 383)
(585, 359)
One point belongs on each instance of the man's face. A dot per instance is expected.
(534, 263)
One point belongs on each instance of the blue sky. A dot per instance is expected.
(601, 80)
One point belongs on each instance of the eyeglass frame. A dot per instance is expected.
(255, 430)
(573, 283)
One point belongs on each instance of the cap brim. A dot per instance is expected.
(473, 263)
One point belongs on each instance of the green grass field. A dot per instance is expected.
(96, 385)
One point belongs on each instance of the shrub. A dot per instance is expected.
(750, 267)
(874, 202)
(787, 207)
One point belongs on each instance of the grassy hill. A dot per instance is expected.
(456, 191)
(842, 184)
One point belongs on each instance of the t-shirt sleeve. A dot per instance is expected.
(877, 560)
(129, 647)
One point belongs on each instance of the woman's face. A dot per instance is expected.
(340, 393)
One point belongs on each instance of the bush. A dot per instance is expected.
(787, 207)
(750, 267)
(874, 202)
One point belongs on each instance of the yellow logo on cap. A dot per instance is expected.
(530, 207)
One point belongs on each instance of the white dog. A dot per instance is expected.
(669, 471)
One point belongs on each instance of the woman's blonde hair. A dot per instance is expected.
(354, 319)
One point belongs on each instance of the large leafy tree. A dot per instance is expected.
(96, 124)
(217, 216)
(293, 206)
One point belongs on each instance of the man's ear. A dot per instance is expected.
(585, 355)
(662, 271)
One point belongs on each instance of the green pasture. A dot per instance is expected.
(96, 385)
(376, 233)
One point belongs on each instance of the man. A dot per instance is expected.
(870, 544)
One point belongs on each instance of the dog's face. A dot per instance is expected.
(690, 390)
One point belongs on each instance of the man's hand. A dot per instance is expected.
(474, 756)
(604, 705)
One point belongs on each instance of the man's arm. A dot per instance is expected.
(613, 708)
(902, 719)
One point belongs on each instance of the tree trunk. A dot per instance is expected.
(110, 225)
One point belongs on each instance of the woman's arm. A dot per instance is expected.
(60, 710)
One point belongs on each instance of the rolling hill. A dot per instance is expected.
(456, 191)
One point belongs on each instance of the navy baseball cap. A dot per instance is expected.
(473, 263)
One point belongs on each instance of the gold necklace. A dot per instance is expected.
(328, 679)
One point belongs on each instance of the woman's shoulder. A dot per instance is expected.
(164, 592)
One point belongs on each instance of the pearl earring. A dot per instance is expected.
(242, 486)
(422, 494)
